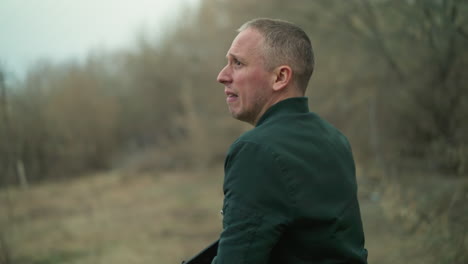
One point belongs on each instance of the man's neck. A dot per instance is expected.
(276, 98)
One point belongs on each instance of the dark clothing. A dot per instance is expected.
(290, 193)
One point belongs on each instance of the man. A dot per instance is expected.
(290, 186)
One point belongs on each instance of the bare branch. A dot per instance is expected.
(462, 32)
(379, 39)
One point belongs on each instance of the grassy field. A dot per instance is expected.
(123, 217)
(113, 218)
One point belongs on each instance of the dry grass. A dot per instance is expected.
(123, 217)
(113, 218)
(432, 216)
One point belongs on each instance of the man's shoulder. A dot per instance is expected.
(306, 129)
(286, 126)
(257, 136)
(251, 143)
(248, 139)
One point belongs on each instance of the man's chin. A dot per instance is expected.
(236, 115)
(242, 117)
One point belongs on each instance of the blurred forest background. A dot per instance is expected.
(119, 159)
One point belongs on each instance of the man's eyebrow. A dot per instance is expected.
(234, 56)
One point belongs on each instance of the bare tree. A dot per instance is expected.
(7, 143)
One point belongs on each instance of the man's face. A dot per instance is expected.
(247, 83)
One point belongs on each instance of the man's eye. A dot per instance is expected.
(237, 63)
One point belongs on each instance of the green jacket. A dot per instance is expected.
(290, 193)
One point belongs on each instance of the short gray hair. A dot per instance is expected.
(285, 44)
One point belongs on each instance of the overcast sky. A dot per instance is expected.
(64, 29)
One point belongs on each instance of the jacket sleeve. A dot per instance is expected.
(256, 205)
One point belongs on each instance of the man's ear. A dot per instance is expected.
(283, 75)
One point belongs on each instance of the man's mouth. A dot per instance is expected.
(230, 96)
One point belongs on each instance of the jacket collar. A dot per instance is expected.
(286, 106)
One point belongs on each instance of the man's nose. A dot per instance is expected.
(224, 75)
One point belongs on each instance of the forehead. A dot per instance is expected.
(247, 44)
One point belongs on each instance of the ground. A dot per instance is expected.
(127, 217)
